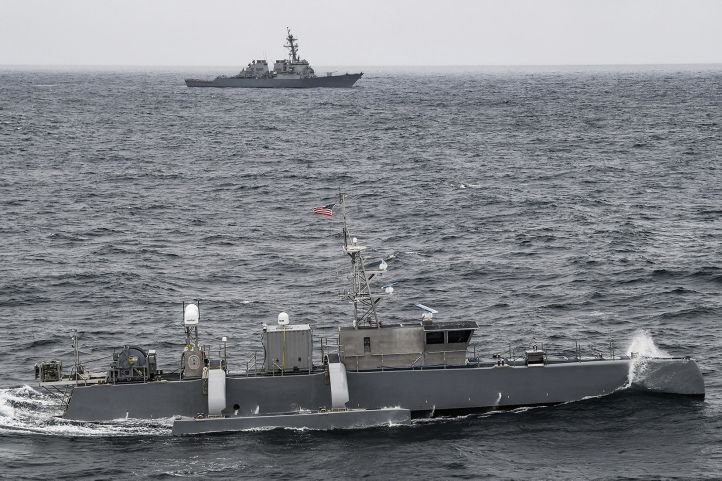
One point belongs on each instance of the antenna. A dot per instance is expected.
(191, 316)
(428, 313)
(77, 355)
(292, 45)
(342, 201)
(364, 301)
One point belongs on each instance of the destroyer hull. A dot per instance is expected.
(331, 81)
(423, 392)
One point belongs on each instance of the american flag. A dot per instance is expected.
(326, 210)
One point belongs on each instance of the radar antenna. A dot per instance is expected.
(364, 301)
(292, 45)
(191, 316)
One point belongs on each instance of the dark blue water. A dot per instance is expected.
(549, 205)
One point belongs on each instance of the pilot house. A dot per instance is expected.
(405, 345)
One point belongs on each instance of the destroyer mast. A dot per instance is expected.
(292, 46)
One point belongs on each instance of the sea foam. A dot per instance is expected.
(642, 349)
(24, 410)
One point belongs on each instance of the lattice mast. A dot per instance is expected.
(364, 301)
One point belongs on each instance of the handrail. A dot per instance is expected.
(421, 355)
(404, 353)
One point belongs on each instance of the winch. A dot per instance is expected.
(132, 363)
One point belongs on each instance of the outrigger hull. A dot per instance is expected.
(330, 81)
(427, 391)
(324, 420)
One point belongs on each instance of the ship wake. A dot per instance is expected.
(26, 411)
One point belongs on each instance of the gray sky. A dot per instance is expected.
(360, 32)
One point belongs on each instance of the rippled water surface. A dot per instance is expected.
(549, 205)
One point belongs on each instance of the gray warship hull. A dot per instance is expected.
(424, 392)
(366, 371)
(331, 81)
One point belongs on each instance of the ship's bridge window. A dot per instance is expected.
(460, 336)
(435, 337)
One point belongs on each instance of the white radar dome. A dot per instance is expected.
(283, 319)
(191, 315)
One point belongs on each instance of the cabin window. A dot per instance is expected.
(435, 337)
(459, 336)
(367, 344)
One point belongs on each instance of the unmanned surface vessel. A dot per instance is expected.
(292, 72)
(369, 373)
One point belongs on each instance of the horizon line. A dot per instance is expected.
(672, 64)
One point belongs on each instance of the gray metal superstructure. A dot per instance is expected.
(293, 72)
(423, 366)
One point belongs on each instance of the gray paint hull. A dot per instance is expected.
(331, 81)
(319, 420)
(421, 391)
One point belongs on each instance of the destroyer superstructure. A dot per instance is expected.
(293, 72)
(371, 372)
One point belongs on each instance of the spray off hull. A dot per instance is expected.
(331, 81)
(422, 391)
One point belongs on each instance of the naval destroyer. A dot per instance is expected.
(369, 372)
(292, 72)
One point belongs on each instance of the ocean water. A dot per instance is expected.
(550, 205)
